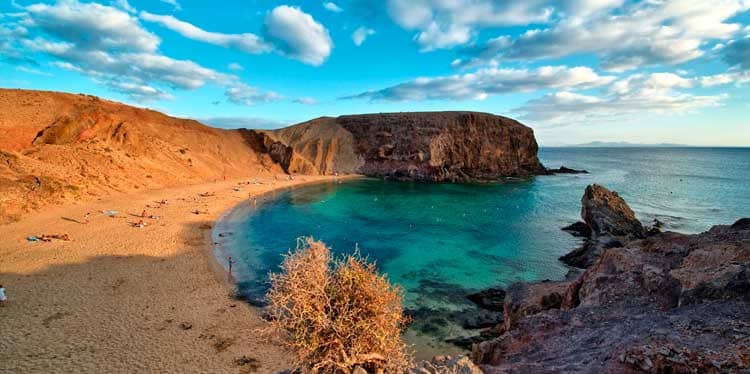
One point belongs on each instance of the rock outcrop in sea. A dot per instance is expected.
(435, 146)
(608, 222)
(659, 302)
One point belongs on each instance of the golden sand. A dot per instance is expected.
(118, 298)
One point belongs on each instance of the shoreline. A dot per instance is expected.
(118, 298)
(221, 272)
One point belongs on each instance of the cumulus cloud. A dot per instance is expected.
(297, 35)
(109, 45)
(246, 42)
(624, 37)
(332, 7)
(636, 95)
(445, 24)
(478, 85)
(360, 34)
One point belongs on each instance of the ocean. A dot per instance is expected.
(441, 242)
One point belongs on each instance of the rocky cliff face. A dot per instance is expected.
(439, 146)
(663, 302)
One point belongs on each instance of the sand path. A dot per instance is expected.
(123, 299)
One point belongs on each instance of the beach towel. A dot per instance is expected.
(2, 294)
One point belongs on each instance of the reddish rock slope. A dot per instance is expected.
(58, 147)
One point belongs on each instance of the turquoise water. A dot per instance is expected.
(442, 241)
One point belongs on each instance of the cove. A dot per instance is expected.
(441, 242)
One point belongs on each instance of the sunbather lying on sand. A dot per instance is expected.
(196, 211)
(140, 224)
(206, 194)
(49, 238)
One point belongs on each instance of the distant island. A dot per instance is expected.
(626, 145)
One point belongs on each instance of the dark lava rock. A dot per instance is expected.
(490, 299)
(565, 170)
(475, 319)
(578, 229)
(611, 223)
(742, 224)
(666, 303)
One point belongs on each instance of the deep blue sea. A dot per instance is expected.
(443, 241)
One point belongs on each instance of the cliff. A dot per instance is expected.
(434, 146)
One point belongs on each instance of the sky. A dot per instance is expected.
(576, 71)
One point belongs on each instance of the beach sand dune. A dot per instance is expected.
(118, 298)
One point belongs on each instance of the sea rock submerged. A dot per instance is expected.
(665, 302)
(435, 146)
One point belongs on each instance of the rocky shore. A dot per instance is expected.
(647, 301)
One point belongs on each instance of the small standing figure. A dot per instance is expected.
(2, 295)
(230, 261)
(143, 214)
(86, 217)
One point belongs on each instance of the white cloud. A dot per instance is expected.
(92, 26)
(360, 34)
(332, 7)
(296, 34)
(125, 5)
(630, 97)
(29, 70)
(246, 95)
(173, 3)
(480, 84)
(235, 67)
(643, 33)
(306, 101)
(110, 46)
(247, 42)
(445, 24)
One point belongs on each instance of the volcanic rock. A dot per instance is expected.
(436, 146)
(611, 224)
(665, 303)
(490, 299)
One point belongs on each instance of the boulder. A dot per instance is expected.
(611, 224)
(490, 299)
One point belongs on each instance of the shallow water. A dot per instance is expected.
(443, 241)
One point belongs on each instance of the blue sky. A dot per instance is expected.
(574, 70)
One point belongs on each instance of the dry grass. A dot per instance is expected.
(337, 314)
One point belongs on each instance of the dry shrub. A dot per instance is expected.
(337, 314)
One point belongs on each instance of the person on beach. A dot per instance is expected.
(86, 217)
(231, 262)
(143, 214)
(2, 295)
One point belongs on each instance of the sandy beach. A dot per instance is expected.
(118, 298)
